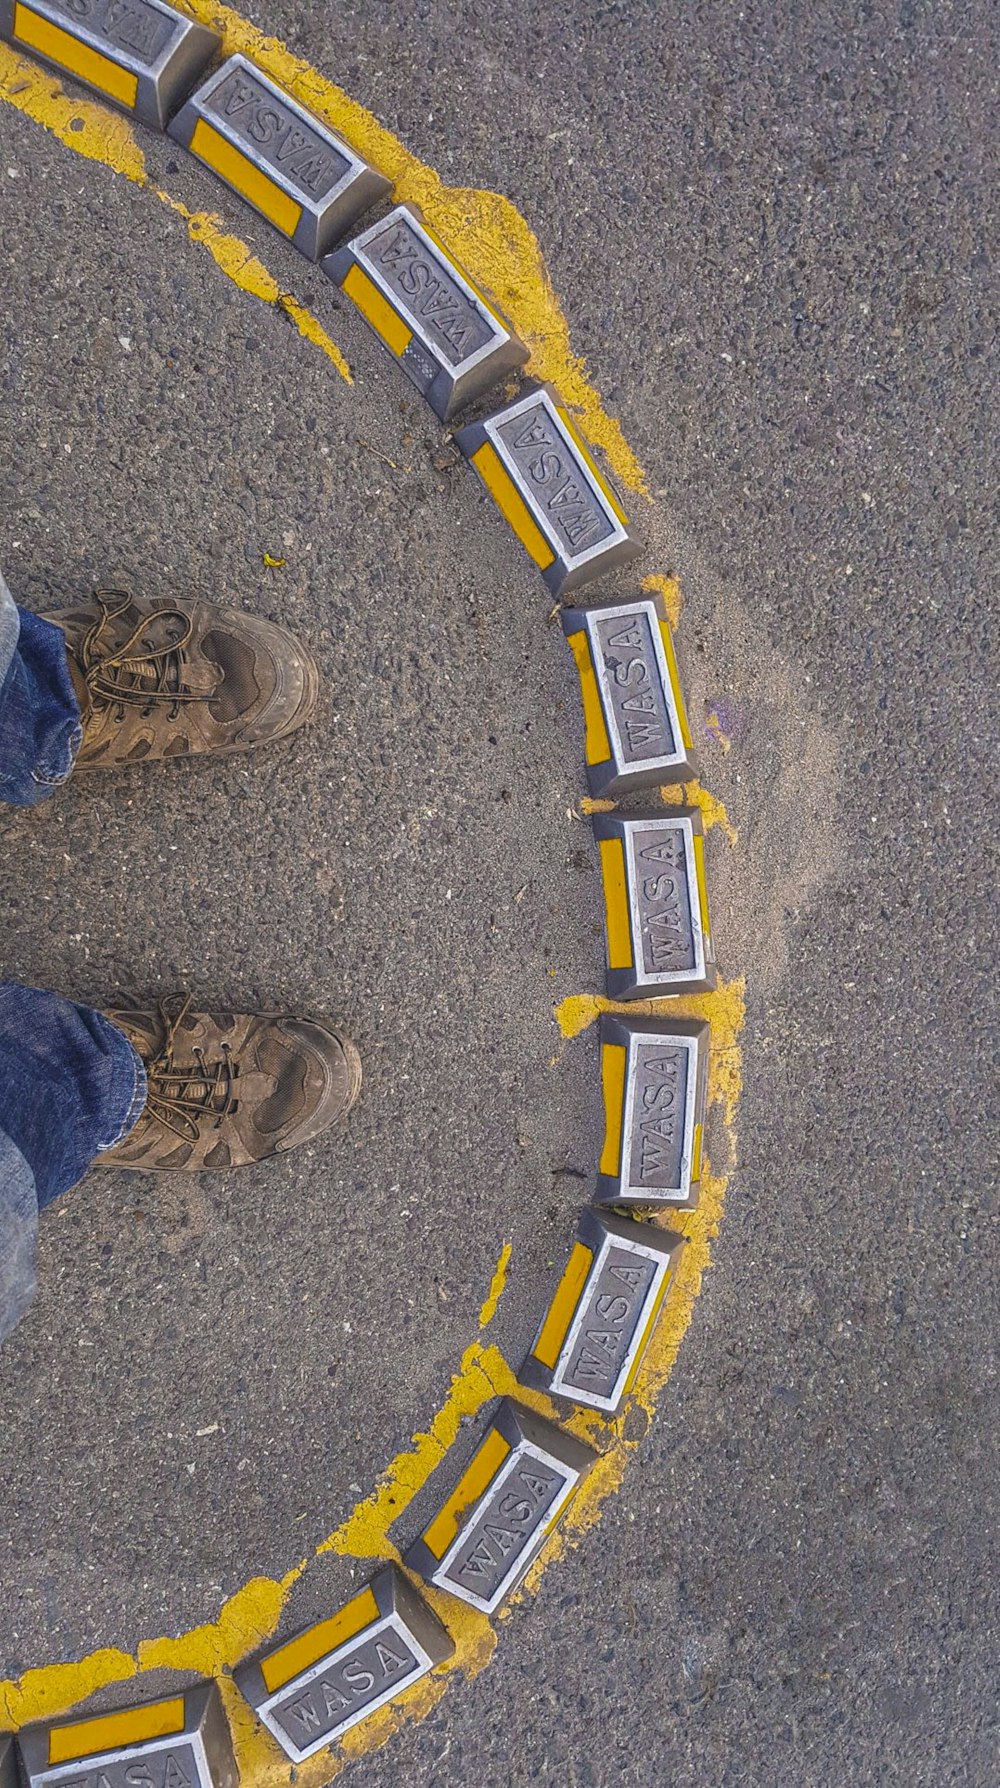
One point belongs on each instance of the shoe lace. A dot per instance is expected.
(136, 673)
(183, 1098)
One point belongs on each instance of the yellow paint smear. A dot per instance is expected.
(669, 588)
(84, 125)
(497, 1284)
(713, 811)
(104, 137)
(245, 271)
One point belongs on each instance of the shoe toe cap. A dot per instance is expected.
(332, 1077)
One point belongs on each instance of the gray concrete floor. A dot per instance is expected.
(770, 231)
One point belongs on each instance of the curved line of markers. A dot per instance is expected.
(489, 1311)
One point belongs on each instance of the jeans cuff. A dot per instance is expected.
(60, 768)
(138, 1095)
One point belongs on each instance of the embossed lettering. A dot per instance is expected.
(334, 1700)
(479, 1562)
(612, 1309)
(626, 636)
(534, 434)
(126, 24)
(534, 1483)
(635, 687)
(305, 1713)
(553, 471)
(630, 1276)
(429, 292)
(345, 1689)
(504, 1526)
(137, 1776)
(359, 1679)
(601, 1352)
(387, 1658)
(278, 137)
(515, 1508)
(634, 671)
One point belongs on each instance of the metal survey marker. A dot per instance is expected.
(447, 337)
(140, 54)
(636, 730)
(543, 479)
(315, 1687)
(656, 906)
(654, 1076)
(503, 1508)
(287, 164)
(180, 1742)
(592, 1338)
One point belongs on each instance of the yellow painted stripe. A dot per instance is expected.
(596, 744)
(111, 1732)
(616, 903)
(560, 1311)
(238, 171)
(648, 1330)
(318, 1641)
(586, 454)
(76, 57)
(696, 1154)
(482, 1470)
(675, 682)
(699, 871)
(512, 506)
(553, 1523)
(613, 1057)
(377, 310)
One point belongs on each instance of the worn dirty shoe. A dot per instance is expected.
(228, 1088)
(171, 679)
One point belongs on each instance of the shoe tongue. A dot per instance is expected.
(161, 632)
(142, 1029)
(79, 682)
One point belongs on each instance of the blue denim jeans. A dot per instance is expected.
(40, 728)
(70, 1082)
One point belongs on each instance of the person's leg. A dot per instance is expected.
(41, 728)
(71, 1086)
(170, 1090)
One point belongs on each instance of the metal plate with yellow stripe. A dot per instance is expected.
(281, 159)
(654, 1075)
(636, 726)
(181, 1741)
(545, 481)
(598, 1325)
(140, 54)
(448, 338)
(655, 902)
(512, 1494)
(313, 1688)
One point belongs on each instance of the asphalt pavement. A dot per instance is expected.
(771, 232)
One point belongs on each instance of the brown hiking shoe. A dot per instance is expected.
(170, 679)
(228, 1088)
